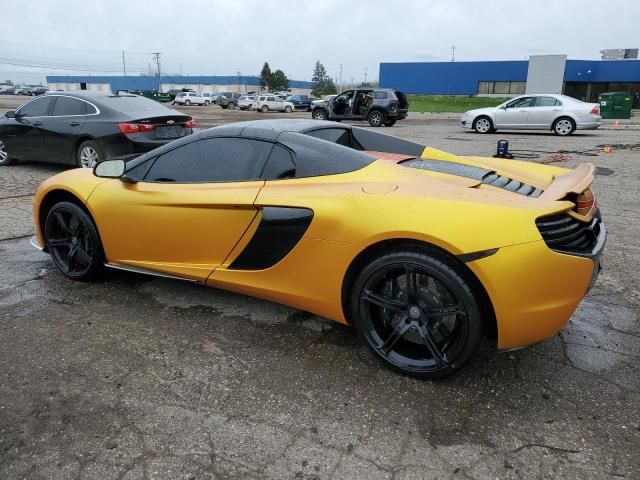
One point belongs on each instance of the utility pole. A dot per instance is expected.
(156, 56)
(340, 81)
(365, 75)
(124, 65)
(453, 53)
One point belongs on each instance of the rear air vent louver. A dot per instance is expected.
(488, 177)
(510, 184)
(566, 234)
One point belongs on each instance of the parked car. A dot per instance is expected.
(266, 103)
(39, 91)
(84, 128)
(191, 98)
(8, 91)
(379, 107)
(245, 102)
(301, 102)
(388, 235)
(558, 113)
(27, 92)
(228, 99)
(322, 101)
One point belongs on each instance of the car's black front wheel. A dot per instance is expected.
(89, 154)
(5, 159)
(73, 241)
(319, 114)
(376, 118)
(417, 313)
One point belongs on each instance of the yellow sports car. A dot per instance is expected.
(423, 252)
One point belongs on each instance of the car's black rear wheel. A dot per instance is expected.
(73, 241)
(564, 126)
(390, 123)
(89, 154)
(232, 105)
(375, 118)
(319, 114)
(5, 159)
(416, 311)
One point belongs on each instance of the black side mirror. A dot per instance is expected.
(10, 114)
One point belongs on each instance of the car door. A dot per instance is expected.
(340, 107)
(515, 113)
(23, 135)
(188, 210)
(545, 110)
(63, 127)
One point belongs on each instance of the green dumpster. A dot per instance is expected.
(153, 95)
(615, 104)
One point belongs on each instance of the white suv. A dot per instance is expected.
(191, 98)
(264, 103)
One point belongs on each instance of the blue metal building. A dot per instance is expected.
(582, 78)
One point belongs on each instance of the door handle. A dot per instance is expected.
(37, 123)
(74, 123)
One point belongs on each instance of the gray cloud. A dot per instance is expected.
(223, 38)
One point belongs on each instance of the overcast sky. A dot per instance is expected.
(202, 37)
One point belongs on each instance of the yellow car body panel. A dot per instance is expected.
(196, 231)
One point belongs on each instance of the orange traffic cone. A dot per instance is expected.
(616, 124)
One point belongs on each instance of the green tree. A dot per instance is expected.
(266, 76)
(279, 81)
(322, 82)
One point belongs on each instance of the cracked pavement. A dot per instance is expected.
(136, 377)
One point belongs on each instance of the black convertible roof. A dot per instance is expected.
(269, 129)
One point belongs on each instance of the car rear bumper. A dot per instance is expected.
(588, 125)
(534, 290)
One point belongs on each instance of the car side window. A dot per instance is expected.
(65, 106)
(522, 102)
(271, 99)
(211, 160)
(333, 135)
(280, 165)
(547, 102)
(379, 95)
(37, 108)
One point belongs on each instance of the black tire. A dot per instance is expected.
(376, 118)
(428, 327)
(563, 126)
(264, 108)
(89, 154)
(287, 109)
(5, 158)
(224, 106)
(483, 124)
(231, 105)
(207, 103)
(73, 242)
(390, 123)
(319, 114)
(187, 102)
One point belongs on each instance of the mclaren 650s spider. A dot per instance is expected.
(422, 251)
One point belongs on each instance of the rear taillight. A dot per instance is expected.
(586, 202)
(595, 110)
(190, 124)
(135, 127)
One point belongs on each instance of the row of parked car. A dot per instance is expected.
(27, 91)
(278, 101)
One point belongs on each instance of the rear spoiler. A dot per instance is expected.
(576, 181)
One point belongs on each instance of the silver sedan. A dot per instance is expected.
(558, 113)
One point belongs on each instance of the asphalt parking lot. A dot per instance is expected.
(137, 377)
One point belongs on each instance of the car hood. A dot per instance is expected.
(479, 111)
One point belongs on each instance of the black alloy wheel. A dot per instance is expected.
(376, 118)
(417, 313)
(319, 114)
(73, 241)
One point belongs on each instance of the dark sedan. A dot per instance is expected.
(85, 128)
